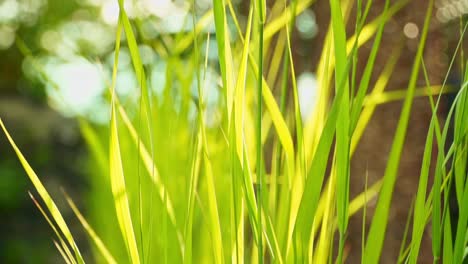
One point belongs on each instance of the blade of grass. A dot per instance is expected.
(402, 252)
(261, 10)
(397, 95)
(63, 245)
(342, 125)
(92, 234)
(300, 224)
(461, 132)
(448, 246)
(378, 227)
(51, 206)
(62, 253)
(224, 53)
(364, 83)
(117, 177)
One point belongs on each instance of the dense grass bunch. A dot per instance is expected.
(178, 178)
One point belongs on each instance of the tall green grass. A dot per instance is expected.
(170, 188)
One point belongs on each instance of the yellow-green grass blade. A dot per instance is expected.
(92, 234)
(187, 40)
(285, 18)
(148, 162)
(365, 79)
(95, 145)
(145, 106)
(370, 29)
(360, 20)
(62, 253)
(289, 63)
(194, 173)
(63, 246)
(369, 109)
(224, 53)
(260, 8)
(261, 11)
(213, 219)
(460, 238)
(378, 228)
(447, 255)
(49, 202)
(278, 120)
(237, 242)
(300, 224)
(237, 153)
(119, 191)
(419, 208)
(439, 186)
(363, 220)
(397, 95)
(320, 255)
(461, 128)
(357, 203)
(460, 163)
(342, 125)
(249, 195)
(326, 64)
(239, 106)
(117, 178)
(404, 250)
(213, 215)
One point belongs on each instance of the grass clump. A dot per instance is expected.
(248, 178)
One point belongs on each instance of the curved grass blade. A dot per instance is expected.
(117, 178)
(53, 209)
(94, 237)
(378, 227)
(343, 124)
(63, 245)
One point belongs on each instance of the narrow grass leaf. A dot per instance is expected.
(92, 234)
(53, 209)
(378, 228)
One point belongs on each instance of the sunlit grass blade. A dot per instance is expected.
(272, 107)
(150, 167)
(194, 173)
(249, 195)
(460, 238)
(460, 167)
(63, 246)
(378, 228)
(51, 206)
(62, 253)
(117, 178)
(261, 10)
(364, 83)
(92, 234)
(461, 129)
(342, 125)
(397, 95)
(419, 222)
(300, 224)
(239, 106)
(119, 191)
(224, 52)
(447, 256)
(404, 250)
(237, 140)
(213, 221)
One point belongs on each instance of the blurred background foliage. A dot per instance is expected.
(56, 59)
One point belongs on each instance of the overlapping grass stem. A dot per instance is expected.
(184, 178)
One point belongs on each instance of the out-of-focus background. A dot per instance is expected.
(56, 59)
